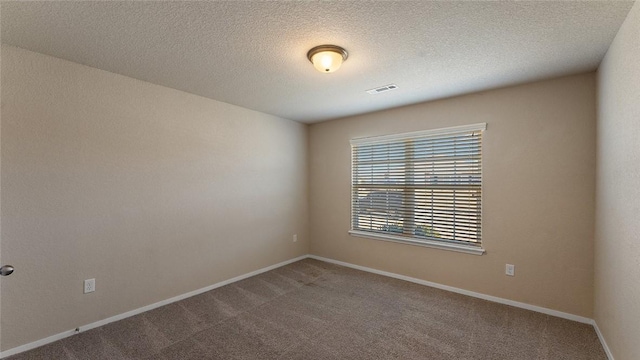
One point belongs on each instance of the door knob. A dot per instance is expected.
(6, 270)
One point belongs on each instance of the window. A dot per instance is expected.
(421, 188)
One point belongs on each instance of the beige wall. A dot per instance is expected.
(617, 246)
(1, 263)
(151, 191)
(538, 202)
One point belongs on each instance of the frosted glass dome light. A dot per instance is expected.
(327, 58)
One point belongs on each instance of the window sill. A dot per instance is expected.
(467, 249)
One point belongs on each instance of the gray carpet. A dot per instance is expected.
(315, 310)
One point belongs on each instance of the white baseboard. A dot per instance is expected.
(64, 334)
(603, 341)
(496, 299)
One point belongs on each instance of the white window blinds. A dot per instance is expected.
(421, 187)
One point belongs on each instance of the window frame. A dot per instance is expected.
(446, 244)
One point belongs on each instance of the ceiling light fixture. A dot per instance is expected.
(327, 58)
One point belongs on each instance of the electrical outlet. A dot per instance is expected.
(510, 270)
(295, 237)
(89, 286)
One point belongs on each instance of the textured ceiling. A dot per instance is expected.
(253, 53)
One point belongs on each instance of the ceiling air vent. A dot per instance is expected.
(381, 89)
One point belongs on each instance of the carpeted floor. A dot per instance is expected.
(315, 310)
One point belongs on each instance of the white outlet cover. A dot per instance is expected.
(89, 286)
(510, 270)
